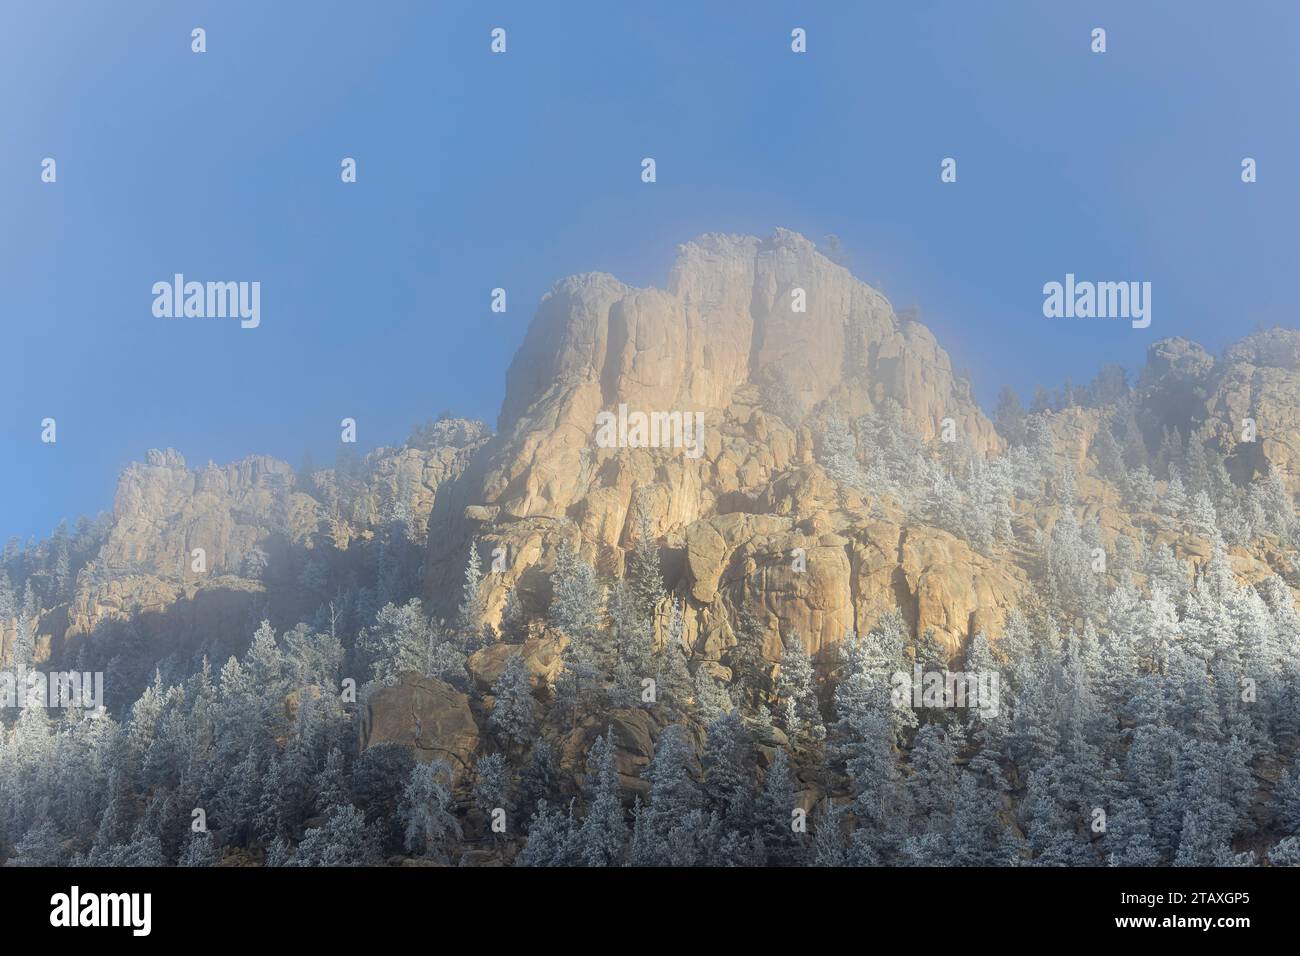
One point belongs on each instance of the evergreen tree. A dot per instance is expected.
(976, 836)
(644, 566)
(575, 611)
(39, 847)
(400, 640)
(1203, 520)
(750, 672)
(603, 834)
(469, 616)
(839, 456)
(1128, 836)
(343, 840)
(1285, 852)
(200, 850)
(550, 838)
(711, 697)
(774, 813)
(1110, 458)
(1174, 501)
(427, 810)
(633, 646)
(933, 783)
(492, 789)
(575, 602)
(828, 847)
(331, 784)
(727, 782)
(797, 691)
(674, 688)
(671, 824)
(514, 619)
(1286, 800)
(512, 712)
(539, 780)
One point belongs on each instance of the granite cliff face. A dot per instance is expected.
(1258, 380)
(768, 341)
(755, 335)
(725, 339)
(192, 557)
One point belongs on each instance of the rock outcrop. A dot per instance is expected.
(1259, 380)
(753, 335)
(726, 339)
(193, 556)
(765, 340)
(425, 715)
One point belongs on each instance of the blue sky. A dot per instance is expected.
(477, 171)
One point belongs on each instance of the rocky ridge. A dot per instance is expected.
(724, 340)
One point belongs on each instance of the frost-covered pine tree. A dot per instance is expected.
(774, 813)
(492, 789)
(671, 823)
(1156, 629)
(1174, 501)
(239, 796)
(575, 612)
(343, 840)
(632, 638)
(40, 846)
(400, 640)
(839, 456)
(750, 672)
(603, 836)
(1166, 570)
(1285, 852)
(644, 565)
(711, 697)
(1072, 583)
(331, 783)
(1140, 488)
(674, 689)
(988, 724)
(976, 835)
(727, 782)
(1128, 836)
(1110, 459)
(933, 782)
(798, 693)
(469, 616)
(1202, 518)
(539, 779)
(551, 840)
(426, 810)
(864, 692)
(1196, 468)
(512, 712)
(575, 604)
(828, 847)
(200, 850)
(1052, 831)
(514, 619)
(1286, 799)
(943, 505)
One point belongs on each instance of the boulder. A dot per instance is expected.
(425, 714)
